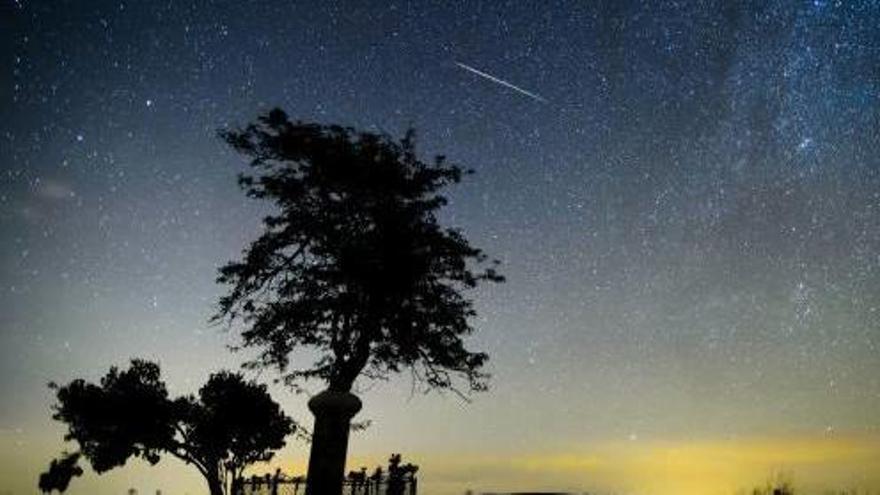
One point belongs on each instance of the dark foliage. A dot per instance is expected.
(354, 262)
(60, 472)
(234, 421)
(230, 424)
(127, 415)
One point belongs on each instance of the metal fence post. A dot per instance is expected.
(275, 484)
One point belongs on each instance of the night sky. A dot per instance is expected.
(685, 197)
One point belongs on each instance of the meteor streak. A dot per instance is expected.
(501, 82)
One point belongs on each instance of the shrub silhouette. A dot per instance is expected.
(60, 472)
(230, 424)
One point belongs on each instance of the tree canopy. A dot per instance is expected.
(353, 263)
(230, 424)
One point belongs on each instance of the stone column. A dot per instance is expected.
(333, 412)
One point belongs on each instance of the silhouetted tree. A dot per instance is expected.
(60, 472)
(230, 424)
(353, 264)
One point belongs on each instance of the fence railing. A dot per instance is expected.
(399, 479)
(297, 486)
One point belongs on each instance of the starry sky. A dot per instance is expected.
(685, 197)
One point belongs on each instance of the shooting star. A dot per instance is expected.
(502, 82)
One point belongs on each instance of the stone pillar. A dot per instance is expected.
(333, 412)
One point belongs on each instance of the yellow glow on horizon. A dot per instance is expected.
(815, 463)
(727, 466)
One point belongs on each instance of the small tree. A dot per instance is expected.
(230, 424)
(354, 265)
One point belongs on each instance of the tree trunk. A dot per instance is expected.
(214, 484)
(333, 411)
